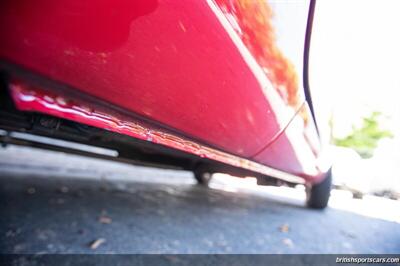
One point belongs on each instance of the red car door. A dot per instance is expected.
(209, 70)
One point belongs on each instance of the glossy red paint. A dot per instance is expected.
(211, 71)
(176, 62)
(298, 149)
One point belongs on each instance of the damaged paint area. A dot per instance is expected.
(33, 99)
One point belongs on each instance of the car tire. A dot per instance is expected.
(203, 175)
(318, 194)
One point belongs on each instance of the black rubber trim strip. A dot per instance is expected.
(306, 83)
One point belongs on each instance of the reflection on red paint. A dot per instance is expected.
(252, 20)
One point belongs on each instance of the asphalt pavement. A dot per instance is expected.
(59, 203)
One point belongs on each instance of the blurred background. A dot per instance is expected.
(354, 67)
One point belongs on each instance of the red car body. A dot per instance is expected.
(222, 80)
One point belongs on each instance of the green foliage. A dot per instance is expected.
(364, 140)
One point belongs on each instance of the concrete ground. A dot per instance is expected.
(58, 203)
